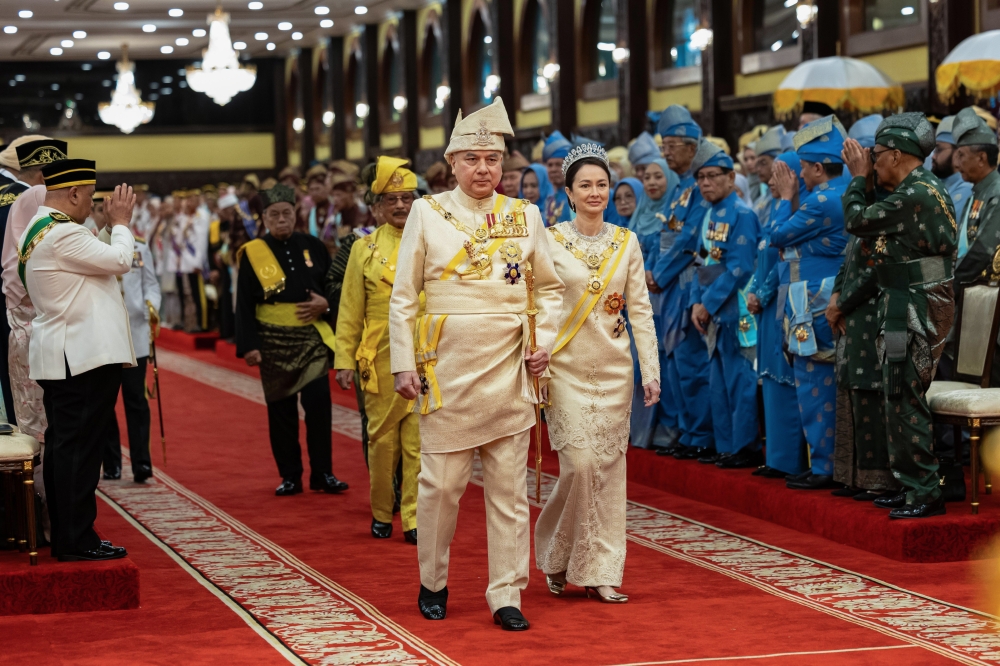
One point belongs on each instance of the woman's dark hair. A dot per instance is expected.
(579, 164)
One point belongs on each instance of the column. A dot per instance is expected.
(280, 116)
(452, 37)
(335, 83)
(369, 57)
(307, 99)
(563, 26)
(716, 63)
(503, 47)
(410, 121)
(633, 74)
(948, 23)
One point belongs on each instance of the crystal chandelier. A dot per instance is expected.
(220, 77)
(126, 110)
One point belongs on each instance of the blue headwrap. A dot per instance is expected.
(556, 145)
(676, 121)
(644, 150)
(793, 162)
(821, 141)
(788, 142)
(863, 131)
(545, 188)
(770, 143)
(611, 214)
(719, 159)
(580, 140)
(644, 220)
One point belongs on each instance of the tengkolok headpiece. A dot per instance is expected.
(583, 151)
(481, 130)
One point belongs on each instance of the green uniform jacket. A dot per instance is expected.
(983, 232)
(858, 366)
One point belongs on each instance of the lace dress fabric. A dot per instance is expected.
(581, 529)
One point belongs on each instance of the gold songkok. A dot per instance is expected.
(391, 176)
(481, 130)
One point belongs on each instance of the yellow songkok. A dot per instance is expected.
(481, 130)
(390, 176)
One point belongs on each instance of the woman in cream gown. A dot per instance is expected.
(580, 534)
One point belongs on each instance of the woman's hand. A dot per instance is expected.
(651, 393)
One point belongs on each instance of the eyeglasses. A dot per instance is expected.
(673, 145)
(876, 154)
(709, 176)
(393, 199)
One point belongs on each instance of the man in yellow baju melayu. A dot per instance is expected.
(363, 342)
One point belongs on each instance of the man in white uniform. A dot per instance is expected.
(79, 342)
(469, 370)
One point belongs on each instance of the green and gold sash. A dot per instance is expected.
(34, 236)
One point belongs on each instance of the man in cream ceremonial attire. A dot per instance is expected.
(468, 370)
(80, 341)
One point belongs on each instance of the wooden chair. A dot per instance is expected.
(19, 454)
(968, 402)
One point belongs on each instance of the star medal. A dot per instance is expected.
(715, 253)
(511, 252)
(744, 324)
(595, 283)
(309, 261)
(801, 333)
(674, 224)
(593, 260)
(977, 206)
(619, 327)
(614, 304)
(880, 245)
(513, 273)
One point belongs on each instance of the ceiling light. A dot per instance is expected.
(399, 103)
(255, 5)
(67, 43)
(777, 45)
(182, 41)
(284, 25)
(296, 36)
(121, 6)
(10, 29)
(167, 91)
(167, 79)
(791, 3)
(701, 38)
(360, 9)
(905, 11)
(176, 13)
(328, 117)
(126, 111)
(603, 46)
(55, 50)
(260, 36)
(149, 27)
(79, 34)
(321, 10)
(103, 55)
(166, 49)
(86, 67)
(198, 32)
(489, 40)
(20, 77)
(361, 110)
(239, 46)
(221, 76)
(326, 23)
(271, 46)
(55, 86)
(25, 13)
(182, 84)
(298, 124)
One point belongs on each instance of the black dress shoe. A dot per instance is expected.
(289, 487)
(769, 472)
(668, 450)
(510, 619)
(142, 473)
(812, 482)
(741, 460)
(711, 457)
(866, 496)
(99, 554)
(112, 475)
(433, 605)
(891, 501)
(799, 477)
(411, 536)
(381, 530)
(926, 510)
(328, 483)
(847, 491)
(691, 452)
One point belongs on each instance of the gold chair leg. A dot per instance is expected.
(29, 515)
(974, 457)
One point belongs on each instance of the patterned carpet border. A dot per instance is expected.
(318, 620)
(962, 634)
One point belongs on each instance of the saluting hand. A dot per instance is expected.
(118, 207)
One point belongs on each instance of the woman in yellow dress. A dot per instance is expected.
(580, 534)
(363, 343)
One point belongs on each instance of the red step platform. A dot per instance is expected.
(958, 535)
(65, 587)
(182, 341)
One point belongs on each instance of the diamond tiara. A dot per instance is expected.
(582, 151)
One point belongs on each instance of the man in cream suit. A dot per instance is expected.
(80, 340)
(469, 370)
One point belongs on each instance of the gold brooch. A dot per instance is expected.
(511, 252)
(715, 253)
(614, 303)
(744, 324)
(481, 234)
(595, 283)
(593, 260)
(801, 333)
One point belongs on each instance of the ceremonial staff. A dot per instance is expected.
(529, 281)
(154, 328)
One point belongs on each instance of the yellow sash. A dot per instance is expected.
(266, 267)
(283, 314)
(367, 351)
(429, 326)
(589, 298)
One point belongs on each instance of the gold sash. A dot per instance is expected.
(590, 298)
(283, 314)
(367, 351)
(265, 266)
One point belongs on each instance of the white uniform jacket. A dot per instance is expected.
(80, 317)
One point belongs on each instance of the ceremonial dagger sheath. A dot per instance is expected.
(529, 281)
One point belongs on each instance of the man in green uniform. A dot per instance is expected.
(912, 232)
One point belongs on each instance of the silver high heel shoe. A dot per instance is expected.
(556, 586)
(613, 598)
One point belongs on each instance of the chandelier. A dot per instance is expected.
(126, 111)
(220, 77)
